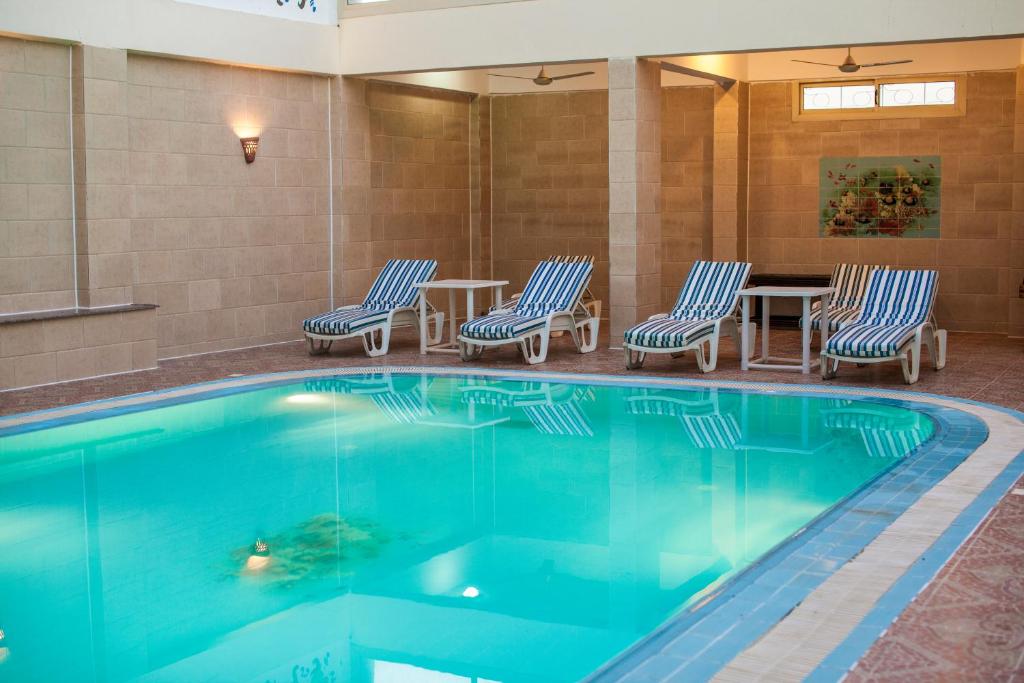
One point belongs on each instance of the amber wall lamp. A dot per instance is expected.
(249, 146)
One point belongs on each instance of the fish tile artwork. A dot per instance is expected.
(879, 196)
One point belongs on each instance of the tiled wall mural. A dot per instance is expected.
(879, 196)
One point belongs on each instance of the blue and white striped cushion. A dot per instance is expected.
(897, 301)
(667, 333)
(850, 282)
(500, 325)
(564, 419)
(395, 285)
(343, 321)
(710, 290)
(554, 286)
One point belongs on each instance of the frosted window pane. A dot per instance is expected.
(918, 94)
(858, 96)
(941, 92)
(823, 98)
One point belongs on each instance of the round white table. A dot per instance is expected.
(766, 361)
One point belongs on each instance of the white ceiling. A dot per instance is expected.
(980, 55)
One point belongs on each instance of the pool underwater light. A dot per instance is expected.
(260, 556)
(471, 592)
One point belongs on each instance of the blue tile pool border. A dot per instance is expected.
(699, 640)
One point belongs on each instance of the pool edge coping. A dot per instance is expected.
(829, 662)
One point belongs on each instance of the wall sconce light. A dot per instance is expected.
(249, 146)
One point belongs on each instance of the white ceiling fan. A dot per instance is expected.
(542, 78)
(850, 65)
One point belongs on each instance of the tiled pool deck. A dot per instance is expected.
(833, 596)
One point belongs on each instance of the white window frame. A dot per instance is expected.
(958, 108)
(347, 11)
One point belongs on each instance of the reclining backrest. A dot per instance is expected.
(899, 297)
(395, 285)
(554, 286)
(710, 289)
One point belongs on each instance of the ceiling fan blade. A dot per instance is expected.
(563, 77)
(525, 78)
(895, 61)
(804, 61)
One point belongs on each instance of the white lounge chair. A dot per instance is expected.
(850, 282)
(391, 302)
(895, 320)
(705, 310)
(550, 302)
(588, 315)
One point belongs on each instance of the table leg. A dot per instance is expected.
(423, 323)
(824, 320)
(744, 341)
(766, 302)
(805, 336)
(497, 297)
(470, 310)
(452, 325)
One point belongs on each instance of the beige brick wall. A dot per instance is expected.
(45, 351)
(35, 177)
(234, 254)
(1016, 301)
(973, 252)
(419, 179)
(549, 179)
(687, 156)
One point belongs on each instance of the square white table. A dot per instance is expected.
(469, 286)
(764, 362)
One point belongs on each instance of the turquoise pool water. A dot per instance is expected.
(416, 528)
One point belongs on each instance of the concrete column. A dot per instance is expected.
(350, 145)
(1016, 302)
(480, 263)
(634, 192)
(104, 197)
(728, 238)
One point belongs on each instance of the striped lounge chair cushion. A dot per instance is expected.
(668, 332)
(554, 286)
(896, 303)
(708, 294)
(343, 321)
(395, 286)
(850, 282)
(563, 419)
(501, 325)
(710, 290)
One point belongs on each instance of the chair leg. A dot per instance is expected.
(911, 361)
(708, 361)
(829, 367)
(588, 335)
(435, 338)
(319, 346)
(532, 356)
(374, 348)
(935, 341)
(470, 352)
(634, 358)
(939, 357)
